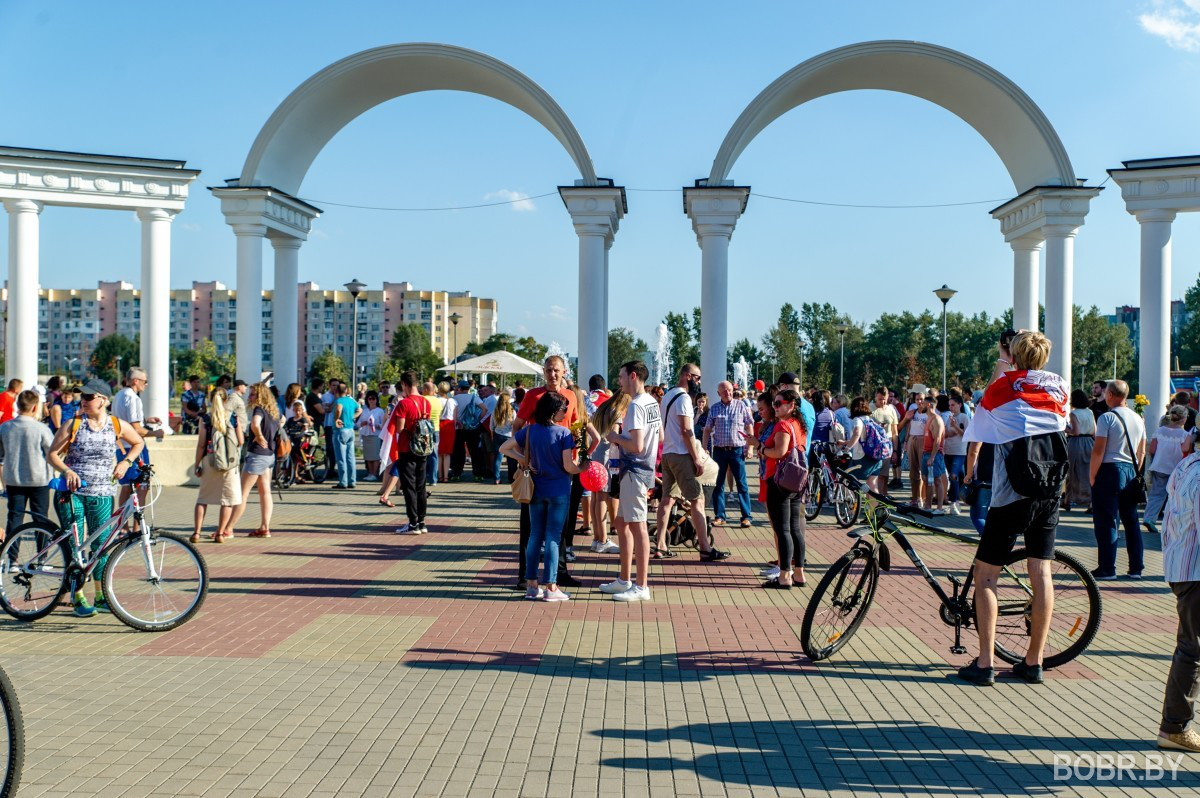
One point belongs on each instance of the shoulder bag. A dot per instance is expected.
(522, 484)
(1138, 485)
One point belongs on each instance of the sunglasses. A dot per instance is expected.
(87, 397)
(781, 402)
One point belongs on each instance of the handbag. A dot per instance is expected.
(791, 473)
(522, 484)
(1138, 486)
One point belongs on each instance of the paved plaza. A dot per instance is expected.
(339, 659)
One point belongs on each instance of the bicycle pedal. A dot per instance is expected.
(958, 649)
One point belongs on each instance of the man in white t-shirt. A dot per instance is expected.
(637, 445)
(1117, 457)
(683, 461)
(127, 407)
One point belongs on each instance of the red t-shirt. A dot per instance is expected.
(798, 438)
(411, 409)
(8, 406)
(529, 404)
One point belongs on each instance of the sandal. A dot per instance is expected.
(259, 533)
(774, 584)
(745, 523)
(385, 502)
(195, 538)
(718, 522)
(217, 538)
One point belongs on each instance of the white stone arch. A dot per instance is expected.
(1049, 205)
(320, 107)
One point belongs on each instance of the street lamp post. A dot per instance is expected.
(355, 288)
(118, 369)
(455, 319)
(800, 345)
(1083, 361)
(944, 293)
(1114, 361)
(841, 330)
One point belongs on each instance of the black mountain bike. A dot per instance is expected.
(12, 739)
(844, 594)
(825, 486)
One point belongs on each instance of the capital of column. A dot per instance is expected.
(23, 206)
(1059, 230)
(595, 210)
(285, 242)
(245, 229)
(1026, 243)
(715, 210)
(156, 215)
(708, 229)
(1041, 207)
(1154, 215)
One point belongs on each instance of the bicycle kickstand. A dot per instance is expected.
(958, 647)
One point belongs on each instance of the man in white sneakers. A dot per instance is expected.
(637, 447)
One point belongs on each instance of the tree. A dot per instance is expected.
(385, 371)
(411, 350)
(685, 339)
(203, 361)
(623, 346)
(527, 346)
(114, 354)
(1189, 335)
(328, 366)
(1095, 339)
(781, 344)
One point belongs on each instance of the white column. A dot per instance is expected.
(249, 300)
(285, 311)
(1025, 282)
(714, 300)
(1060, 279)
(593, 288)
(608, 242)
(1154, 355)
(22, 327)
(156, 308)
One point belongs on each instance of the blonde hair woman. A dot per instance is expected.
(502, 423)
(260, 456)
(223, 488)
(606, 419)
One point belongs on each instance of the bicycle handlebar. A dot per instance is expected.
(903, 509)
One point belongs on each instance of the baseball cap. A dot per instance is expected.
(789, 378)
(97, 387)
(464, 384)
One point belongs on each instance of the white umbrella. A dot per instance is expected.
(496, 363)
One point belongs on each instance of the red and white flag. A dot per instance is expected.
(1020, 404)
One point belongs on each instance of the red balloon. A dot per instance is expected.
(594, 477)
(759, 385)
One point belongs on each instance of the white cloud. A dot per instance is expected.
(191, 228)
(520, 202)
(1175, 21)
(522, 329)
(558, 313)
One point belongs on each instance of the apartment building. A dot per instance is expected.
(72, 320)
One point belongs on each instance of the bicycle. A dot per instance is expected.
(153, 581)
(843, 596)
(825, 486)
(12, 738)
(306, 460)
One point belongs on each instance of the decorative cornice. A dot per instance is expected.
(94, 184)
(595, 210)
(1173, 186)
(280, 212)
(1026, 215)
(714, 210)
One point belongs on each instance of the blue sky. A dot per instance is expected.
(652, 89)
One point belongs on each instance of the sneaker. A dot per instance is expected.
(534, 593)
(770, 573)
(83, 609)
(408, 530)
(569, 556)
(1101, 576)
(555, 595)
(713, 555)
(955, 509)
(616, 586)
(1186, 740)
(937, 511)
(635, 593)
(101, 605)
(984, 677)
(1030, 673)
(606, 547)
(422, 529)
(1132, 575)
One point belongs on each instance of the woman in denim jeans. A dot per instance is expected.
(551, 449)
(980, 461)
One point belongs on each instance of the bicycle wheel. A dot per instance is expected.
(812, 505)
(12, 739)
(839, 603)
(1073, 624)
(33, 578)
(282, 475)
(168, 598)
(845, 505)
(318, 467)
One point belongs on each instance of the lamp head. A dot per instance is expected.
(944, 293)
(355, 288)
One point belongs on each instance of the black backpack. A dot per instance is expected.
(1037, 465)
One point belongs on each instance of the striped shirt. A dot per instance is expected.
(728, 423)
(1181, 523)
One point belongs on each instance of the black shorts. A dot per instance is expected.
(1036, 518)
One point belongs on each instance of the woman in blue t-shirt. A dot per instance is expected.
(551, 454)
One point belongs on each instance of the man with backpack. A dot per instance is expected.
(411, 431)
(468, 426)
(1024, 412)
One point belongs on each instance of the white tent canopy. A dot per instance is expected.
(496, 363)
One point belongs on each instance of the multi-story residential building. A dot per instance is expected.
(1131, 317)
(72, 320)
